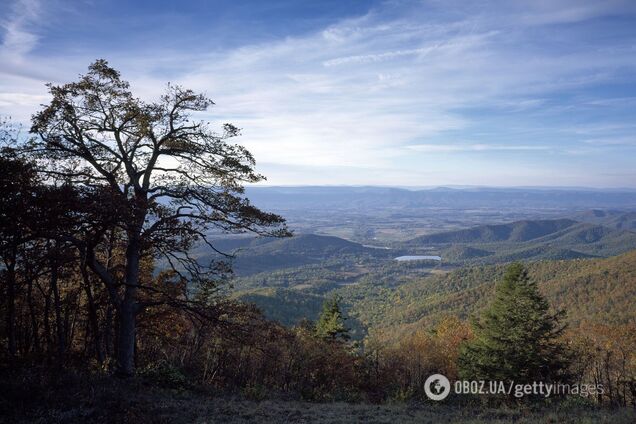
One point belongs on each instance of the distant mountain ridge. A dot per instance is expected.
(370, 197)
(519, 231)
(526, 240)
(617, 219)
(252, 255)
(486, 244)
(308, 244)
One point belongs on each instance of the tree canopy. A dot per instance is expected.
(150, 179)
(517, 337)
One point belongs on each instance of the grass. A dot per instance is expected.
(77, 399)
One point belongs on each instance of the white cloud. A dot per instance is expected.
(362, 94)
(377, 57)
(22, 99)
(544, 12)
(18, 38)
(476, 147)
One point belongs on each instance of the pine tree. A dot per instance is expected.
(516, 338)
(331, 323)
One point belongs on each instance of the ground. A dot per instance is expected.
(233, 411)
(138, 402)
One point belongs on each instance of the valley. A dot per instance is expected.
(461, 256)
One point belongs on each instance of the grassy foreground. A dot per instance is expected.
(33, 399)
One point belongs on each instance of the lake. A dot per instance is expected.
(418, 258)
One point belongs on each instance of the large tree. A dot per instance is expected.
(517, 337)
(164, 179)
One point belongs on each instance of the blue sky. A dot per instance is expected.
(418, 93)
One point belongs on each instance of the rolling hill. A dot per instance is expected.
(595, 290)
(519, 231)
(617, 219)
(526, 240)
(463, 253)
(254, 255)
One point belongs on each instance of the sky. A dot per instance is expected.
(396, 92)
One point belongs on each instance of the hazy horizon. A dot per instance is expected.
(445, 186)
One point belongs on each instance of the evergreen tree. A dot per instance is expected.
(331, 324)
(516, 338)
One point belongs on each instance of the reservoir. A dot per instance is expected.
(418, 258)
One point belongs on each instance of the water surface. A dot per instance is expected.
(418, 258)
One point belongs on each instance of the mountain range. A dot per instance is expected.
(350, 197)
(520, 240)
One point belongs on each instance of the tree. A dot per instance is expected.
(606, 356)
(517, 337)
(331, 322)
(164, 180)
(17, 182)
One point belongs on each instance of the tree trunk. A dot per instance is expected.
(92, 316)
(11, 334)
(109, 339)
(34, 322)
(126, 344)
(59, 326)
(47, 324)
(128, 312)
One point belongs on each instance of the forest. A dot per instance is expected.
(110, 312)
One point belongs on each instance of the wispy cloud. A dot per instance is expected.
(377, 57)
(381, 93)
(19, 38)
(612, 141)
(450, 148)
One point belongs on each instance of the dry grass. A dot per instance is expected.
(233, 411)
(108, 400)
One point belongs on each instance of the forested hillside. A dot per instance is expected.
(590, 290)
(381, 291)
(514, 232)
(618, 219)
